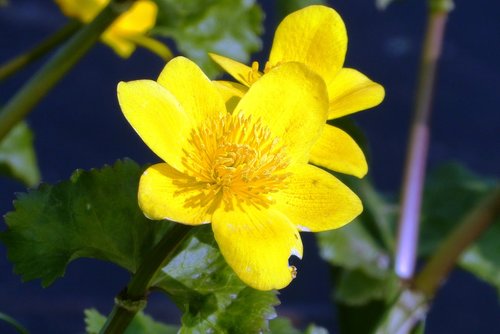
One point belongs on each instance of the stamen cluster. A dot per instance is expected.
(236, 159)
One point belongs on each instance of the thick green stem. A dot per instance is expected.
(417, 148)
(42, 82)
(19, 62)
(442, 262)
(133, 298)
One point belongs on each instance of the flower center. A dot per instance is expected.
(235, 160)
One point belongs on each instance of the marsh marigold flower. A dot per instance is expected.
(241, 167)
(127, 31)
(316, 37)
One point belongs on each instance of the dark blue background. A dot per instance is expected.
(79, 125)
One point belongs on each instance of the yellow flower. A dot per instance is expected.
(127, 31)
(316, 36)
(242, 169)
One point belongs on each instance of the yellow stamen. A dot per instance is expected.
(236, 160)
(268, 67)
(254, 74)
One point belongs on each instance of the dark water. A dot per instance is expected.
(79, 125)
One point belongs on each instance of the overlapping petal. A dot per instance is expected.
(257, 243)
(158, 118)
(192, 88)
(315, 201)
(337, 151)
(231, 93)
(315, 36)
(236, 69)
(165, 193)
(292, 101)
(352, 91)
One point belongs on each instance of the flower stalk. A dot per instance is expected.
(61, 62)
(19, 62)
(414, 177)
(133, 298)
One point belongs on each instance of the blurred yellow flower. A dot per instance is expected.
(127, 31)
(316, 36)
(244, 169)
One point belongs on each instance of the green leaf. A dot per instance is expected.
(227, 27)
(141, 324)
(354, 287)
(17, 156)
(212, 297)
(94, 321)
(94, 215)
(482, 259)
(313, 329)
(284, 326)
(451, 192)
(352, 247)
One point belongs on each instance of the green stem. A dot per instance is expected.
(61, 62)
(17, 63)
(442, 262)
(417, 148)
(11, 321)
(133, 298)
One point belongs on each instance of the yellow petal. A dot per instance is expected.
(164, 193)
(191, 87)
(157, 117)
(315, 36)
(351, 91)
(84, 10)
(231, 93)
(256, 244)
(138, 20)
(123, 47)
(337, 151)
(315, 200)
(292, 101)
(237, 70)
